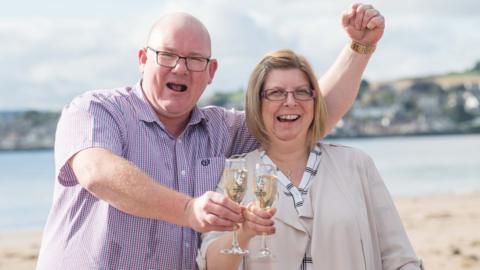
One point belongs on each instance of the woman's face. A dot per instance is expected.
(288, 119)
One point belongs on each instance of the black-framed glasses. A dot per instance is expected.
(281, 94)
(170, 60)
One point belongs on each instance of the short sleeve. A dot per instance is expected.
(89, 121)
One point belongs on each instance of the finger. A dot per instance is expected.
(261, 229)
(272, 211)
(223, 212)
(354, 6)
(360, 12)
(263, 213)
(376, 22)
(347, 15)
(369, 14)
(213, 220)
(223, 200)
(255, 219)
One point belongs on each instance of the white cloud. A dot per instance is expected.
(47, 59)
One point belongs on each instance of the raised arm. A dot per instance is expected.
(365, 25)
(127, 188)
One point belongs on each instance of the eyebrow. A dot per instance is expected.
(172, 50)
(283, 88)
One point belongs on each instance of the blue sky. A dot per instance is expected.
(52, 51)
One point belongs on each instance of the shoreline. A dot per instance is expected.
(443, 230)
(327, 138)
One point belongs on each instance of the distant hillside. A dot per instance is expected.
(445, 80)
(441, 104)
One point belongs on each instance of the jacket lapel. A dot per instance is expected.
(286, 212)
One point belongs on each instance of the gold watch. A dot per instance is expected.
(362, 48)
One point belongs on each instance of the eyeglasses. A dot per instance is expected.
(281, 94)
(170, 60)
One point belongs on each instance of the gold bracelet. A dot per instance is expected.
(362, 48)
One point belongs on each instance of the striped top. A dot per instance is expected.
(84, 232)
(300, 198)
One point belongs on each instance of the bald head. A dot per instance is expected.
(180, 29)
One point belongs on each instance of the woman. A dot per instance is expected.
(333, 210)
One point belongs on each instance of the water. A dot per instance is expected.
(26, 188)
(409, 166)
(425, 165)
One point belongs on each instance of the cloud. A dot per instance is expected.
(50, 55)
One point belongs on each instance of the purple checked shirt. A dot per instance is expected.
(84, 232)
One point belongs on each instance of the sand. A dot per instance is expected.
(444, 230)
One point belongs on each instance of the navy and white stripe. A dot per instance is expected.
(299, 194)
(311, 170)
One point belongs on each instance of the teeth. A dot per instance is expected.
(177, 87)
(289, 117)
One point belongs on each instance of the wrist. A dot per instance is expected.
(187, 208)
(362, 48)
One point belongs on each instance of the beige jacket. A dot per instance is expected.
(355, 223)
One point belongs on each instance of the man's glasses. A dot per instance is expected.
(281, 94)
(170, 60)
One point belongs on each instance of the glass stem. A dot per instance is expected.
(264, 241)
(234, 240)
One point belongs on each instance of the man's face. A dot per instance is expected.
(173, 92)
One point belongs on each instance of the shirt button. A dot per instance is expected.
(183, 173)
(187, 244)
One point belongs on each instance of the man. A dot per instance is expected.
(135, 166)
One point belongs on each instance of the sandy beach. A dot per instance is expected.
(444, 230)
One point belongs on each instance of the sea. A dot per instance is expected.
(410, 166)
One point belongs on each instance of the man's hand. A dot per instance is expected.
(363, 23)
(213, 212)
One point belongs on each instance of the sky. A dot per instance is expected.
(51, 51)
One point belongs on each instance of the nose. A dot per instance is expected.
(290, 100)
(181, 66)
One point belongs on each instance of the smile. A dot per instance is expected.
(177, 87)
(288, 117)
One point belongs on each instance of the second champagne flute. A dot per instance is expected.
(265, 190)
(234, 184)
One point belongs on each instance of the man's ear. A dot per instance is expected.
(212, 68)
(142, 59)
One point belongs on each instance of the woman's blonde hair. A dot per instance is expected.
(282, 59)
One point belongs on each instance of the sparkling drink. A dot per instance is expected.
(234, 183)
(265, 190)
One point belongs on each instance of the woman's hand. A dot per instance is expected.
(257, 221)
(363, 23)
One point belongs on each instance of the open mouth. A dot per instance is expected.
(288, 118)
(177, 87)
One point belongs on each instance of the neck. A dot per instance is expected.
(174, 126)
(290, 158)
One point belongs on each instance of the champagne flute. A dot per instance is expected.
(265, 190)
(234, 184)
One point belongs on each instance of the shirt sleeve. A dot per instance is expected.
(89, 121)
(396, 250)
(241, 140)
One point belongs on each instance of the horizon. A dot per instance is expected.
(52, 53)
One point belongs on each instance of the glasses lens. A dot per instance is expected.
(196, 64)
(275, 94)
(280, 94)
(167, 59)
(303, 94)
